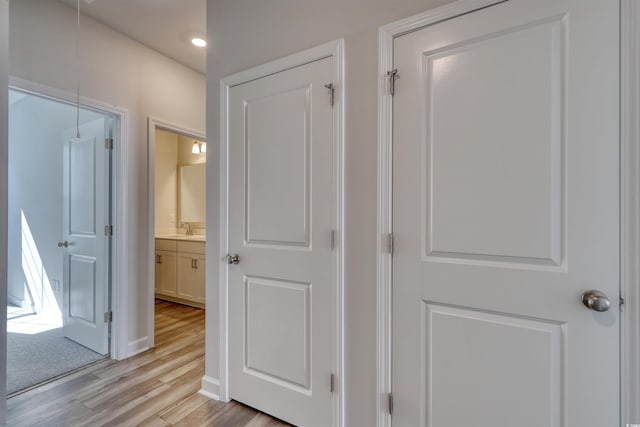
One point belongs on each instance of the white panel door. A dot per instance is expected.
(85, 214)
(505, 210)
(282, 293)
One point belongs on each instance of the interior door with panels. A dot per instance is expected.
(282, 310)
(505, 212)
(86, 195)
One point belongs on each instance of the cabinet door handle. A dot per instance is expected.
(159, 259)
(194, 263)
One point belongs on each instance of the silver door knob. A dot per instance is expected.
(63, 244)
(596, 300)
(233, 259)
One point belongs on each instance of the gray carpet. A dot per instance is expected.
(32, 359)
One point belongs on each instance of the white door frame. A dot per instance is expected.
(630, 209)
(333, 49)
(630, 203)
(153, 124)
(119, 247)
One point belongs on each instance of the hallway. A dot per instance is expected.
(156, 388)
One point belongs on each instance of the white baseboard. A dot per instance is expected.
(138, 346)
(210, 388)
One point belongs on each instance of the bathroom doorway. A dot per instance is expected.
(177, 220)
(59, 244)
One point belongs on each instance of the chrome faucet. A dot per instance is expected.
(188, 229)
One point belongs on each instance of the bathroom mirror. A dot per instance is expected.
(191, 194)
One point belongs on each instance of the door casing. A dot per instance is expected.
(120, 218)
(153, 124)
(219, 388)
(630, 208)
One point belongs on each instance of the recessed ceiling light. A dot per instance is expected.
(199, 42)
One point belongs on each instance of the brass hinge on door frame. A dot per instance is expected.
(390, 403)
(108, 143)
(332, 383)
(108, 317)
(390, 242)
(108, 230)
(332, 93)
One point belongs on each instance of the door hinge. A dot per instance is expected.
(621, 302)
(108, 317)
(390, 403)
(390, 242)
(108, 230)
(332, 93)
(392, 76)
(333, 239)
(108, 143)
(332, 383)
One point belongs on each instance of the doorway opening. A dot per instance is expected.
(177, 220)
(59, 245)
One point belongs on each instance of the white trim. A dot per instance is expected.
(154, 123)
(138, 346)
(4, 187)
(630, 209)
(210, 388)
(630, 201)
(333, 49)
(120, 215)
(386, 35)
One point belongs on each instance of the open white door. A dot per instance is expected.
(85, 240)
(505, 211)
(282, 292)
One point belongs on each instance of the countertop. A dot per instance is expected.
(193, 237)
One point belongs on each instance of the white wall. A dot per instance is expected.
(4, 55)
(36, 139)
(123, 73)
(166, 182)
(246, 33)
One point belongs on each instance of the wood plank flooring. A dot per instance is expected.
(155, 388)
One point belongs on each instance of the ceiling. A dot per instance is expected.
(163, 25)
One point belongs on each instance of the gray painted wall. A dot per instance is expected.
(247, 33)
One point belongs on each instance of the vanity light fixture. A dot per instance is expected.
(199, 147)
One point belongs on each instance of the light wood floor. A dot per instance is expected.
(156, 388)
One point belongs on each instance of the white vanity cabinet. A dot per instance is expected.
(180, 271)
(166, 267)
(190, 282)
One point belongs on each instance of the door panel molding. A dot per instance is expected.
(219, 388)
(630, 206)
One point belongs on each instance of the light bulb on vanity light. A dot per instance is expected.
(196, 148)
(203, 147)
(199, 42)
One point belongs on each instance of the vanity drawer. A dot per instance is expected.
(165, 245)
(191, 247)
